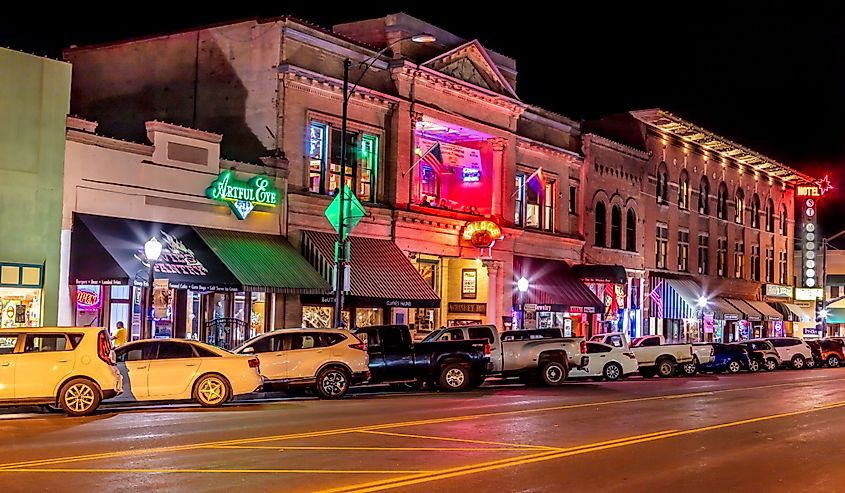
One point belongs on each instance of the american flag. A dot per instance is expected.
(656, 300)
(434, 158)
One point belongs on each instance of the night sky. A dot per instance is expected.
(773, 80)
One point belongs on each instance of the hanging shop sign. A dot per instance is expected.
(467, 307)
(809, 294)
(243, 196)
(161, 297)
(778, 291)
(482, 234)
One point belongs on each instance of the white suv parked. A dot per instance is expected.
(793, 352)
(68, 367)
(328, 360)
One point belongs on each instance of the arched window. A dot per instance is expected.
(704, 196)
(722, 202)
(739, 216)
(601, 223)
(683, 191)
(784, 220)
(770, 216)
(616, 227)
(755, 211)
(662, 189)
(631, 231)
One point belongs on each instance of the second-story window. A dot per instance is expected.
(770, 264)
(784, 220)
(722, 257)
(572, 199)
(782, 267)
(661, 246)
(601, 224)
(324, 143)
(662, 189)
(703, 254)
(739, 259)
(683, 251)
(739, 216)
(755, 211)
(770, 216)
(631, 231)
(616, 227)
(755, 262)
(535, 202)
(704, 196)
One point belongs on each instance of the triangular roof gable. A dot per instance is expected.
(487, 75)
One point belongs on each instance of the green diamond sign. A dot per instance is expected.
(354, 211)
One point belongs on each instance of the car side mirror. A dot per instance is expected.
(248, 350)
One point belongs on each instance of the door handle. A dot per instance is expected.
(6, 364)
(190, 364)
(140, 367)
(62, 361)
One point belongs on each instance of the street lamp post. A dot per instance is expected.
(152, 250)
(522, 285)
(341, 266)
(702, 304)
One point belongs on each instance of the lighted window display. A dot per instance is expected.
(324, 158)
(454, 176)
(739, 259)
(21, 307)
(364, 317)
(320, 317)
(661, 246)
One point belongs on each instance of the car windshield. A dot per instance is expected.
(432, 336)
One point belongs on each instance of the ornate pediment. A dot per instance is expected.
(470, 63)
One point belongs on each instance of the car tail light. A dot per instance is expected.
(583, 346)
(104, 348)
(254, 363)
(487, 350)
(630, 355)
(361, 346)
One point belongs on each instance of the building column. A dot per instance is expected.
(492, 291)
(66, 304)
(498, 145)
(444, 290)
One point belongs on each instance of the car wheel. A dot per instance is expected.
(689, 369)
(79, 397)
(612, 371)
(552, 373)
(811, 363)
(798, 362)
(332, 383)
(454, 377)
(665, 368)
(771, 364)
(211, 391)
(754, 366)
(734, 366)
(833, 361)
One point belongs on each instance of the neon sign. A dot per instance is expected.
(482, 234)
(243, 196)
(87, 299)
(817, 189)
(471, 175)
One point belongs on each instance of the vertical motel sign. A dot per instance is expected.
(811, 262)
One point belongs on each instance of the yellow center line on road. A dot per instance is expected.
(211, 471)
(381, 449)
(518, 461)
(461, 440)
(340, 431)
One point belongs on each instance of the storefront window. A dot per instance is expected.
(88, 304)
(119, 307)
(257, 313)
(364, 317)
(21, 307)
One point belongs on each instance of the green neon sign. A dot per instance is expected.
(243, 196)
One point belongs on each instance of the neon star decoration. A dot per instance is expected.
(824, 185)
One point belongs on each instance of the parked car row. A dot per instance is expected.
(74, 369)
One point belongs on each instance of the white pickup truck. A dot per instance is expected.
(654, 356)
(542, 354)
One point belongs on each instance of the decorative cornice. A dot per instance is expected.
(109, 143)
(172, 129)
(526, 143)
(312, 81)
(459, 87)
(616, 146)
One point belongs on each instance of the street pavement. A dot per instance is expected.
(781, 431)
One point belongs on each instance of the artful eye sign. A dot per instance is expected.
(243, 196)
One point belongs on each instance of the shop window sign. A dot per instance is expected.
(243, 196)
(87, 299)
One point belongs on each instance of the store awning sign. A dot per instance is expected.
(243, 196)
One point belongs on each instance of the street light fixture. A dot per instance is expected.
(522, 285)
(152, 251)
(341, 261)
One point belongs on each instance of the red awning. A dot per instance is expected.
(552, 282)
(380, 273)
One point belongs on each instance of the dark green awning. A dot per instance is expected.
(264, 262)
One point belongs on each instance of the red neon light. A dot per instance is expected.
(87, 298)
(824, 185)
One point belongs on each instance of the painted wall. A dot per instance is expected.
(36, 91)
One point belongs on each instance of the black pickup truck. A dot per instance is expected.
(451, 365)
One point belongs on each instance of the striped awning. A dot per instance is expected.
(674, 298)
(722, 310)
(767, 311)
(748, 312)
